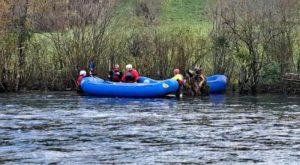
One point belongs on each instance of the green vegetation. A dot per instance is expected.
(171, 14)
(47, 43)
(184, 12)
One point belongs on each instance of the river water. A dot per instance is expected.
(64, 128)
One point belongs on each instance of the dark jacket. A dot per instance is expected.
(115, 75)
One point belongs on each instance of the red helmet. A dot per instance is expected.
(176, 71)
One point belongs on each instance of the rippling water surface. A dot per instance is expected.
(63, 128)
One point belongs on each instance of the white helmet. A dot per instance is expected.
(129, 67)
(82, 72)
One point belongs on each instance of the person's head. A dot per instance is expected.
(129, 67)
(176, 71)
(198, 70)
(82, 72)
(117, 66)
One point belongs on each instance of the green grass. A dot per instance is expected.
(186, 12)
(173, 14)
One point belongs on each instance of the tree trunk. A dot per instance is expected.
(22, 37)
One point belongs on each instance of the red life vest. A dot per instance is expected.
(130, 76)
(78, 81)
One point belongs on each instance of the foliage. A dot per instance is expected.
(45, 43)
(270, 74)
(263, 28)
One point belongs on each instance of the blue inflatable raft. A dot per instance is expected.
(146, 88)
(217, 83)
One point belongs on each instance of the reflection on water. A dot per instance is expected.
(63, 128)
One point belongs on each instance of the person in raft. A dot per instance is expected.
(115, 75)
(179, 78)
(81, 75)
(131, 75)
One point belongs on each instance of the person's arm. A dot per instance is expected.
(109, 75)
(78, 82)
(123, 77)
(181, 80)
(202, 81)
(136, 75)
